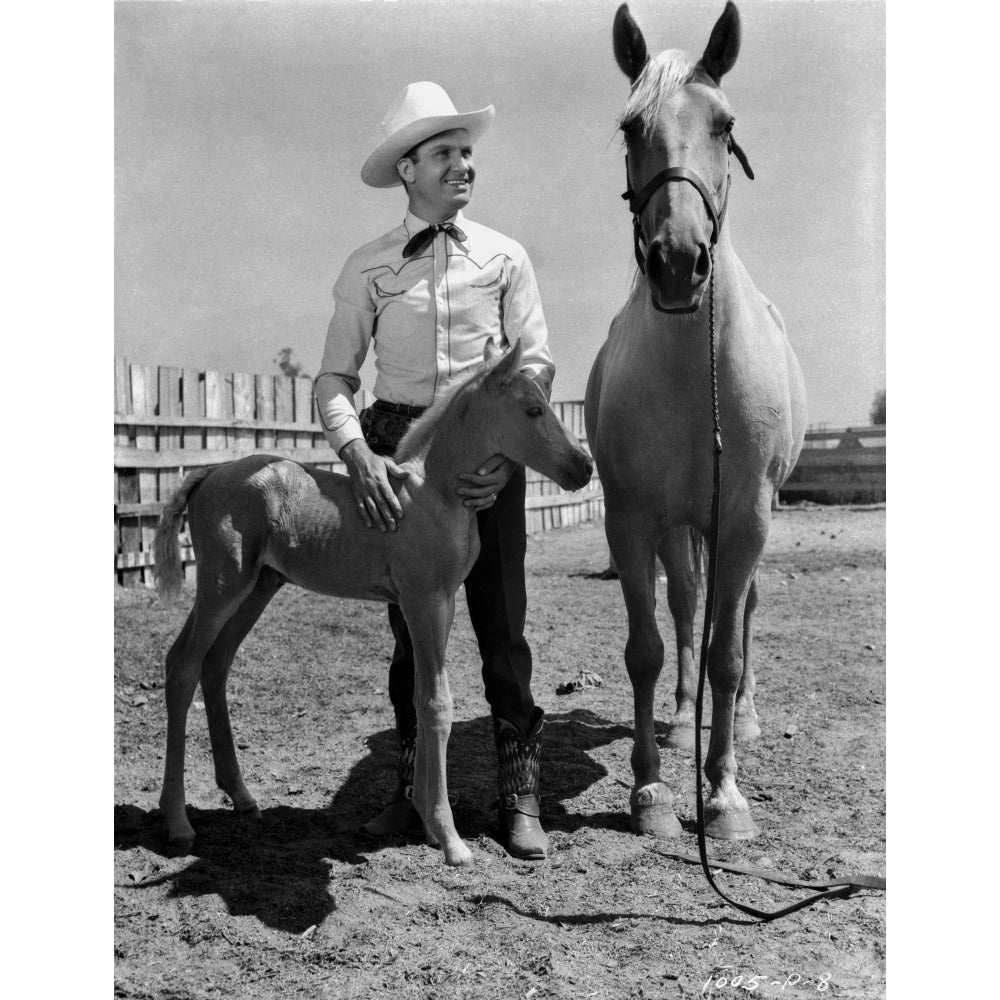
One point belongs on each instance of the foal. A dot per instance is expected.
(261, 521)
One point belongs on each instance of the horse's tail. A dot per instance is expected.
(168, 571)
(698, 554)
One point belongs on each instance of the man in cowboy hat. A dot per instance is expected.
(428, 295)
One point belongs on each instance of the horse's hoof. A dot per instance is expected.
(249, 812)
(731, 824)
(746, 727)
(652, 812)
(680, 736)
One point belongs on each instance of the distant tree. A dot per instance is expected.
(877, 412)
(286, 364)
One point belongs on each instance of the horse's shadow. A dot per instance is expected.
(277, 868)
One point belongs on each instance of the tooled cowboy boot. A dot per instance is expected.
(399, 814)
(519, 759)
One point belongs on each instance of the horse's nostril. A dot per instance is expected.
(703, 265)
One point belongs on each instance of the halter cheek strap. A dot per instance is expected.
(637, 202)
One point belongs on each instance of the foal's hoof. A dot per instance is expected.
(652, 811)
(182, 845)
(730, 824)
(458, 856)
(399, 816)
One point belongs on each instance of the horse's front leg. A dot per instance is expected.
(429, 620)
(727, 813)
(651, 803)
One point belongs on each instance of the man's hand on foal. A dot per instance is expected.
(480, 488)
(374, 498)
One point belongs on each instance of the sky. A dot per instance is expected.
(240, 130)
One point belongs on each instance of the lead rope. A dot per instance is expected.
(842, 888)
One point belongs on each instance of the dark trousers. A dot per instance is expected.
(494, 590)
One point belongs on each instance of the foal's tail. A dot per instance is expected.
(168, 569)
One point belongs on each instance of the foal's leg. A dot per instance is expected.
(677, 555)
(746, 726)
(184, 661)
(651, 802)
(429, 620)
(727, 814)
(215, 671)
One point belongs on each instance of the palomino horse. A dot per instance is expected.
(260, 521)
(650, 421)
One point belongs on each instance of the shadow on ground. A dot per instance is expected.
(277, 868)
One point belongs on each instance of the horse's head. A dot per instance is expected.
(678, 133)
(526, 428)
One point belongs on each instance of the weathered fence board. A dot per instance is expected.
(840, 466)
(171, 420)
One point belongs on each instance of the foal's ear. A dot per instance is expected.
(491, 351)
(505, 369)
(723, 45)
(630, 46)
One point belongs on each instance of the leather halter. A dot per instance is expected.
(637, 202)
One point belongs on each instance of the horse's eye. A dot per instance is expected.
(535, 411)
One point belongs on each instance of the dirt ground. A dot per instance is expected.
(299, 905)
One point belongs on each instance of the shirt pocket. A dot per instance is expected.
(481, 310)
(408, 289)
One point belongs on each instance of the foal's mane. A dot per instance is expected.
(659, 80)
(422, 431)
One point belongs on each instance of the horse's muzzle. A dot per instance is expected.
(577, 472)
(677, 276)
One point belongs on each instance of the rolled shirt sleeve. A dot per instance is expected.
(524, 320)
(347, 341)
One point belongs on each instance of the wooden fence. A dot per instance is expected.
(839, 466)
(169, 421)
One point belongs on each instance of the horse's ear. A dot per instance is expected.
(723, 45)
(504, 369)
(491, 351)
(630, 46)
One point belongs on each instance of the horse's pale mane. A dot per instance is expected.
(660, 79)
(421, 431)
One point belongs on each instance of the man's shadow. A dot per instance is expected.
(276, 868)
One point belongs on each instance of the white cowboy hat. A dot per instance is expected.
(422, 110)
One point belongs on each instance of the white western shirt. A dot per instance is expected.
(429, 316)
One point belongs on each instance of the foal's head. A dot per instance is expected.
(677, 117)
(506, 406)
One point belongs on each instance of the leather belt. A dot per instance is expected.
(402, 409)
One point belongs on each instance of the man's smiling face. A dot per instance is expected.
(439, 175)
